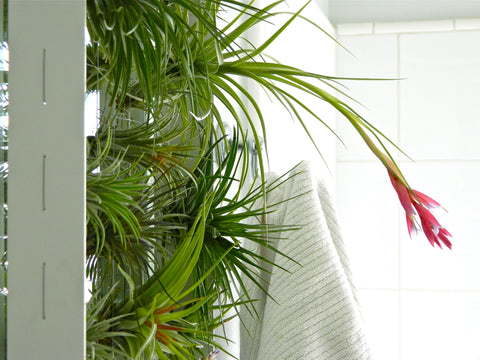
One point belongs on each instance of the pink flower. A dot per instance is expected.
(418, 204)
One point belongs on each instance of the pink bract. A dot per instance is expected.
(418, 205)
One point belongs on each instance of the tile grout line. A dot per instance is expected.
(424, 290)
(414, 31)
(415, 161)
(399, 266)
(399, 289)
(398, 93)
(417, 32)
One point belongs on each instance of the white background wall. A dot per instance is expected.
(419, 302)
(305, 47)
(350, 11)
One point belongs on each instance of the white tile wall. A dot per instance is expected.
(363, 195)
(381, 314)
(287, 142)
(419, 302)
(413, 26)
(439, 105)
(455, 185)
(355, 28)
(372, 56)
(467, 24)
(440, 326)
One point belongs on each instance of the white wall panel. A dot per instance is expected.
(304, 46)
(345, 11)
(367, 210)
(439, 105)
(454, 184)
(373, 57)
(436, 293)
(440, 325)
(381, 315)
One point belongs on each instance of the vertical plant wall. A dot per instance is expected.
(167, 202)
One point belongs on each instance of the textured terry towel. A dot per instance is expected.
(314, 314)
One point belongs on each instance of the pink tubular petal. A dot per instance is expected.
(429, 234)
(438, 242)
(403, 194)
(426, 200)
(417, 203)
(442, 234)
(409, 225)
(445, 232)
(426, 216)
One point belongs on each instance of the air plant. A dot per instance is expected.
(168, 202)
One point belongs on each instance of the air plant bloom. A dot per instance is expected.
(164, 331)
(416, 204)
(419, 205)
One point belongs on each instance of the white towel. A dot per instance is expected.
(315, 315)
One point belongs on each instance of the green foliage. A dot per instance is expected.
(169, 202)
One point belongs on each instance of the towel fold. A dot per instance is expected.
(312, 313)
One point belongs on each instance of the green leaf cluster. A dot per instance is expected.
(170, 202)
